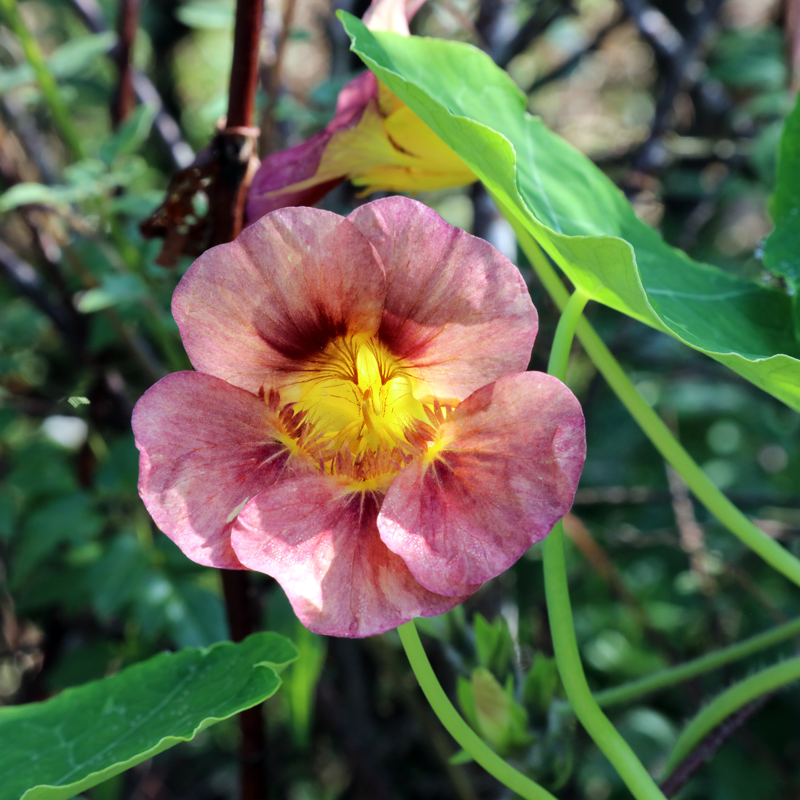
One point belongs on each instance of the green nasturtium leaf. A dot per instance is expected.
(782, 248)
(83, 736)
(577, 214)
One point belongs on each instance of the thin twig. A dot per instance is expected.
(165, 127)
(243, 619)
(678, 55)
(30, 138)
(564, 69)
(583, 540)
(655, 28)
(127, 23)
(691, 534)
(24, 278)
(465, 22)
(544, 15)
(275, 76)
(678, 778)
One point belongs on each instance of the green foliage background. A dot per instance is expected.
(88, 586)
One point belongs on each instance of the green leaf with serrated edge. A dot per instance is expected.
(83, 736)
(782, 248)
(578, 215)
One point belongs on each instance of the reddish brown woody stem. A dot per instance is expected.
(125, 100)
(237, 142)
(236, 145)
(243, 619)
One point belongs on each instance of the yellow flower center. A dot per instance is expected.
(355, 413)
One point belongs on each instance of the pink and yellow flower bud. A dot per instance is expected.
(374, 140)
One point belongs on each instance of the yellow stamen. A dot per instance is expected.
(354, 413)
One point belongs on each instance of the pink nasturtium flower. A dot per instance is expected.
(360, 425)
(374, 139)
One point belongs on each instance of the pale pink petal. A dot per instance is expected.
(511, 457)
(274, 184)
(456, 309)
(352, 100)
(391, 15)
(205, 449)
(253, 311)
(322, 545)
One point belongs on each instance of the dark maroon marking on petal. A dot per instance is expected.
(456, 309)
(252, 311)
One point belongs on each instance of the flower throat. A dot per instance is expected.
(355, 414)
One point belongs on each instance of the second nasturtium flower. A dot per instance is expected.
(374, 140)
(360, 425)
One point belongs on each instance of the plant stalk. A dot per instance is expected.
(559, 611)
(699, 666)
(659, 434)
(728, 703)
(457, 727)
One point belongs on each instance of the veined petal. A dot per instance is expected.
(206, 448)
(502, 471)
(252, 312)
(322, 545)
(456, 310)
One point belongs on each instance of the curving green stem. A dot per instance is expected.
(457, 727)
(43, 75)
(659, 434)
(559, 610)
(729, 702)
(699, 666)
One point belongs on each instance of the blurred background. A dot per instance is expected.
(681, 103)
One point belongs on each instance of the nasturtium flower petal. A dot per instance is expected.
(391, 15)
(321, 543)
(253, 311)
(501, 472)
(456, 309)
(206, 448)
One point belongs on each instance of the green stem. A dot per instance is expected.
(597, 725)
(699, 666)
(559, 610)
(714, 500)
(457, 727)
(730, 701)
(565, 333)
(43, 75)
